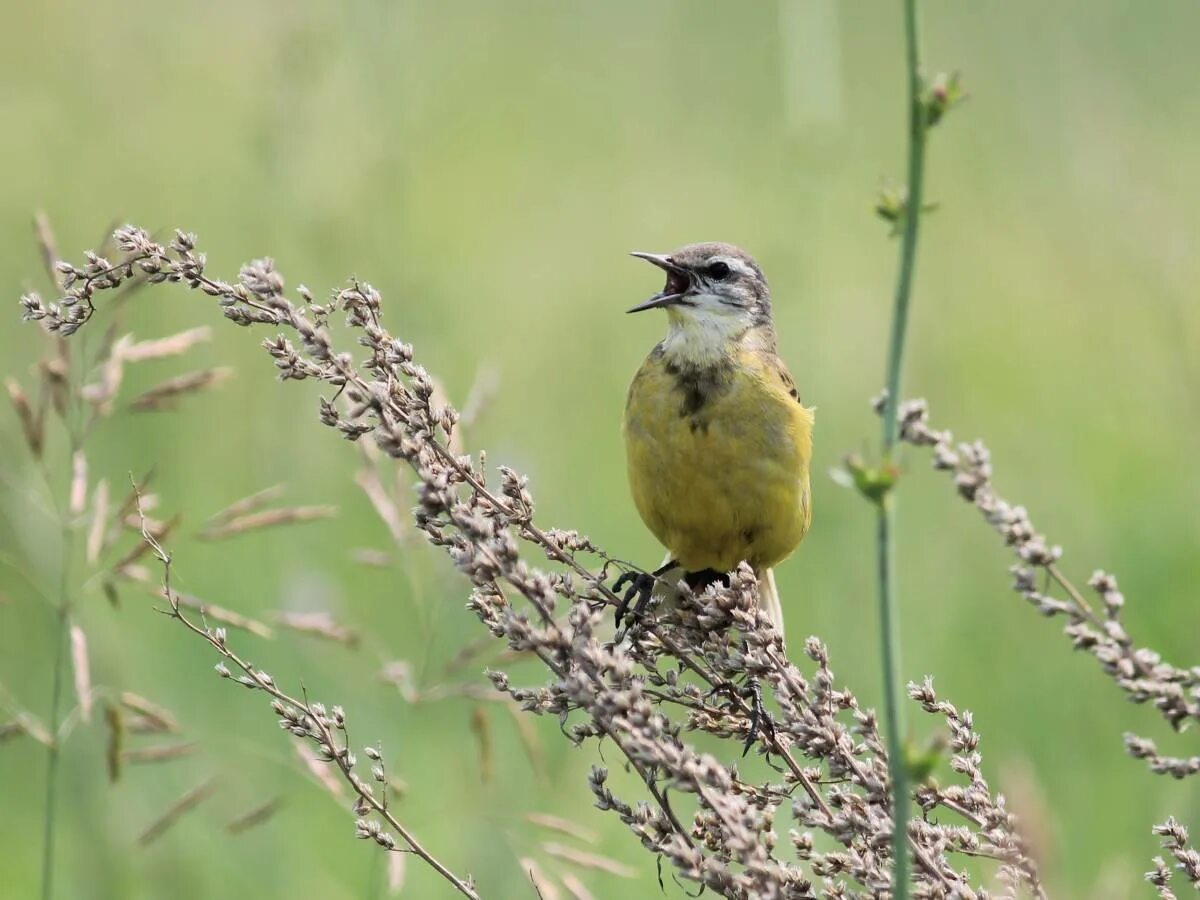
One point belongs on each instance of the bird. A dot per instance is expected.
(718, 443)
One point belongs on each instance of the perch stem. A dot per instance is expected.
(886, 571)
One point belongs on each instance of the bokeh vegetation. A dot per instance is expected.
(487, 166)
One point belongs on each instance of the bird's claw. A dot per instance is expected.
(641, 587)
(761, 722)
(760, 719)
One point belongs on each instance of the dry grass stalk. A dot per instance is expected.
(114, 721)
(469, 654)
(77, 498)
(377, 559)
(24, 723)
(270, 518)
(531, 743)
(397, 786)
(159, 753)
(47, 246)
(246, 505)
(99, 523)
(438, 692)
(318, 624)
(576, 888)
(82, 672)
(136, 724)
(172, 345)
(1021, 787)
(101, 394)
(562, 826)
(161, 718)
(32, 423)
(481, 728)
(383, 501)
(177, 810)
(256, 816)
(483, 391)
(55, 373)
(316, 768)
(399, 672)
(313, 765)
(397, 872)
(586, 860)
(166, 394)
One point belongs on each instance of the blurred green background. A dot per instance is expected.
(487, 166)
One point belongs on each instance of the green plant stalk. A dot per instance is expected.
(53, 751)
(72, 417)
(892, 700)
(908, 238)
(888, 612)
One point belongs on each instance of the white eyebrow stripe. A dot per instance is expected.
(737, 265)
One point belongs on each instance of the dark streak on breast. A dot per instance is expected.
(698, 387)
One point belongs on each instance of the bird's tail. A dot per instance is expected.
(768, 599)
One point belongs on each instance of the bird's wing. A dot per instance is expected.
(789, 383)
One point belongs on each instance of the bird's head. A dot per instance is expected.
(714, 284)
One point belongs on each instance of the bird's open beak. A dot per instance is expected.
(677, 284)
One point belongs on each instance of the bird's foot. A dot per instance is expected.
(761, 722)
(641, 587)
(639, 592)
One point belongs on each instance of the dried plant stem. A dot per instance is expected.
(888, 605)
(1074, 593)
(259, 679)
(1138, 670)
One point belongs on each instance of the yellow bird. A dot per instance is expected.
(717, 441)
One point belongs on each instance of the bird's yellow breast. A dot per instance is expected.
(718, 459)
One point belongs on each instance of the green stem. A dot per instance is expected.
(72, 417)
(52, 753)
(888, 612)
(893, 710)
(912, 219)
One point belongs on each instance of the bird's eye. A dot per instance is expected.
(717, 270)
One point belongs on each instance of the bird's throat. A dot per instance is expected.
(701, 340)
